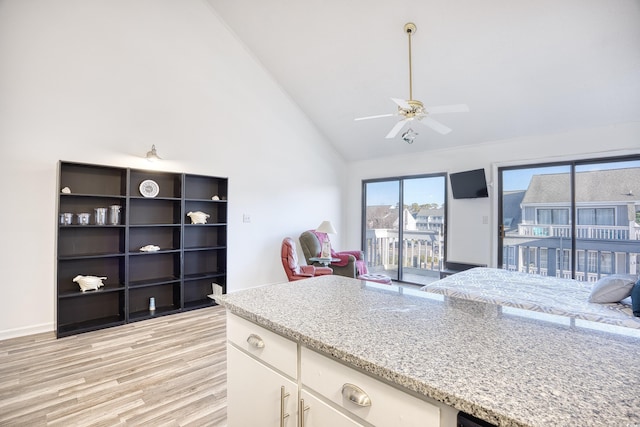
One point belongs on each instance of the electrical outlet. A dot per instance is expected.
(485, 219)
(246, 218)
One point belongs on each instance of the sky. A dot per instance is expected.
(416, 190)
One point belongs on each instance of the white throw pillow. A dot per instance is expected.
(612, 288)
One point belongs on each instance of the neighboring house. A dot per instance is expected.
(408, 221)
(386, 217)
(430, 219)
(607, 231)
(423, 239)
(381, 217)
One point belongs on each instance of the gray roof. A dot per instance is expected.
(613, 185)
(431, 212)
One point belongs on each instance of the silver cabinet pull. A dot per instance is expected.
(255, 341)
(355, 394)
(283, 415)
(301, 411)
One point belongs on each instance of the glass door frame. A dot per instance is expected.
(572, 164)
(401, 202)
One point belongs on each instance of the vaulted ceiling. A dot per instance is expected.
(524, 68)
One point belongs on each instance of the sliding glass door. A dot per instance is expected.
(576, 219)
(404, 227)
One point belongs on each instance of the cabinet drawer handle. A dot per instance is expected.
(356, 395)
(255, 341)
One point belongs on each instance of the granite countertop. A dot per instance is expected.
(507, 366)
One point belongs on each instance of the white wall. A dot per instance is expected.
(469, 239)
(99, 82)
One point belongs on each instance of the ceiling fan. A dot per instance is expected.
(412, 109)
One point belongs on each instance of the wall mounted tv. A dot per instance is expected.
(469, 184)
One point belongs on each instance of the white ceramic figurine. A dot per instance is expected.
(198, 217)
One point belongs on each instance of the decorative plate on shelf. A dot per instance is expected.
(149, 188)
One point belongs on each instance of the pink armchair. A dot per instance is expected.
(293, 269)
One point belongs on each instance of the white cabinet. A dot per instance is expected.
(271, 381)
(320, 414)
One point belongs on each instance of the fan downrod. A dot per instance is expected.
(410, 28)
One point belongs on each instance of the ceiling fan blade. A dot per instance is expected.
(394, 131)
(374, 117)
(402, 103)
(455, 108)
(437, 126)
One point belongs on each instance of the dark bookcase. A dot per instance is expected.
(179, 276)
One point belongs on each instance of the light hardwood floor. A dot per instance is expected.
(169, 371)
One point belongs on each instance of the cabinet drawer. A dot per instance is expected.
(388, 406)
(267, 346)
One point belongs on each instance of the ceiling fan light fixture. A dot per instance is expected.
(409, 136)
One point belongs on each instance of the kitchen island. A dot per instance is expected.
(506, 366)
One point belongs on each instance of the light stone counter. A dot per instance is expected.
(492, 362)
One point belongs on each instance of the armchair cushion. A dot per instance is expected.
(312, 270)
(307, 269)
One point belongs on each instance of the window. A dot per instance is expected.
(581, 216)
(596, 216)
(543, 258)
(593, 262)
(606, 262)
(553, 216)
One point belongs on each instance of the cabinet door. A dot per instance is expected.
(319, 414)
(254, 393)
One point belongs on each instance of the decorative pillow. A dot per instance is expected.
(635, 299)
(612, 288)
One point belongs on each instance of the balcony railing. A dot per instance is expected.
(421, 251)
(597, 232)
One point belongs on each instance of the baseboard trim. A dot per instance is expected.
(27, 330)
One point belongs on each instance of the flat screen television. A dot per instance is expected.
(469, 184)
